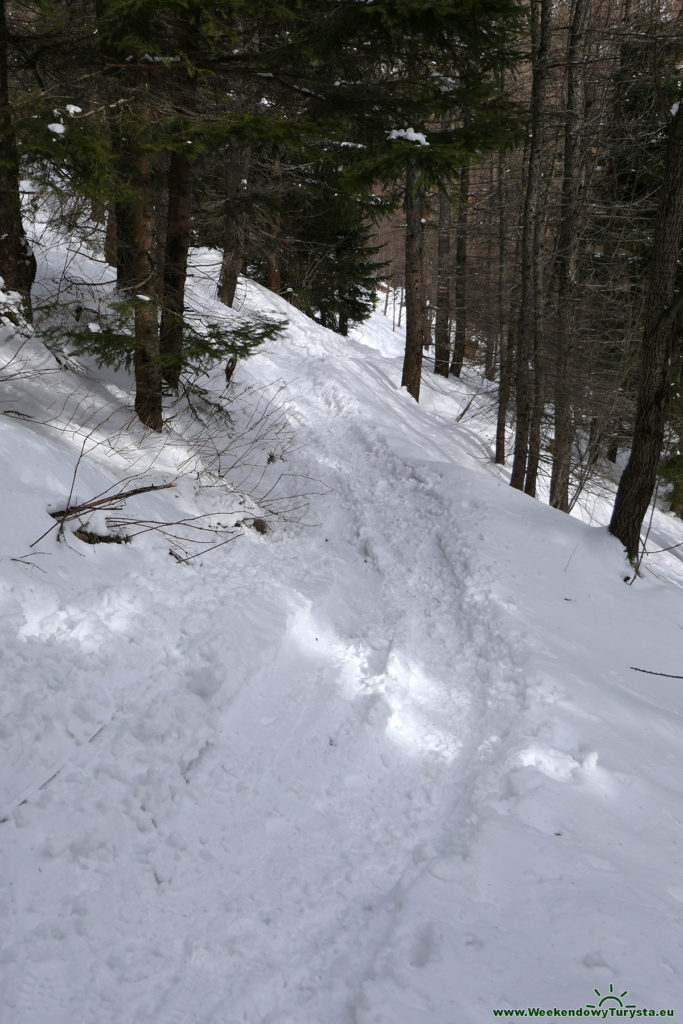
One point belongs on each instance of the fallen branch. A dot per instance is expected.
(72, 511)
(649, 672)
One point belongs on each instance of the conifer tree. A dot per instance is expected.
(403, 66)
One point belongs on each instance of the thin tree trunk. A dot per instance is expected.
(461, 273)
(236, 170)
(98, 211)
(412, 362)
(143, 274)
(505, 339)
(538, 378)
(567, 256)
(442, 340)
(121, 229)
(656, 367)
(537, 407)
(125, 273)
(541, 13)
(490, 346)
(136, 269)
(507, 355)
(273, 260)
(110, 245)
(175, 267)
(17, 262)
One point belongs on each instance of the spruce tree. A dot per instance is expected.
(405, 65)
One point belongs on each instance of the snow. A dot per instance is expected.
(409, 135)
(56, 128)
(388, 762)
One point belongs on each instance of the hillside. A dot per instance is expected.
(376, 755)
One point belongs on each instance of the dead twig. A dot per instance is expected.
(649, 672)
(72, 511)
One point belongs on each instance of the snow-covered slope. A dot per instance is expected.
(388, 763)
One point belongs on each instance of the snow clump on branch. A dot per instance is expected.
(409, 135)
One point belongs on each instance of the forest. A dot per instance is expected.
(512, 170)
(341, 548)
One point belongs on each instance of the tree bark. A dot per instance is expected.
(535, 423)
(506, 346)
(120, 231)
(237, 162)
(17, 262)
(663, 300)
(142, 272)
(490, 344)
(442, 329)
(273, 259)
(507, 355)
(414, 242)
(461, 273)
(541, 13)
(175, 267)
(568, 244)
(110, 236)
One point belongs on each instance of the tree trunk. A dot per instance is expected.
(273, 259)
(110, 245)
(568, 244)
(414, 242)
(505, 340)
(538, 381)
(120, 221)
(98, 211)
(490, 341)
(461, 273)
(237, 162)
(175, 267)
(17, 262)
(656, 366)
(142, 273)
(125, 274)
(121, 229)
(535, 423)
(442, 329)
(507, 355)
(541, 13)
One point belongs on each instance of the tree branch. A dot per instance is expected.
(649, 672)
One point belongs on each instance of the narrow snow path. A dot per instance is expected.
(389, 767)
(282, 755)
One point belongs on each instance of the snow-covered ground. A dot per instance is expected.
(388, 763)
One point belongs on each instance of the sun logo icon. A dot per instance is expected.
(610, 997)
